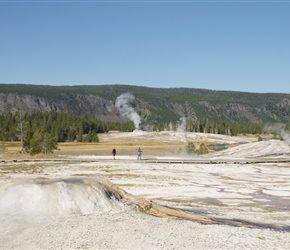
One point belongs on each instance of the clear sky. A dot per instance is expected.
(219, 45)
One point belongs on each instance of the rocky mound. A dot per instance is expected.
(79, 195)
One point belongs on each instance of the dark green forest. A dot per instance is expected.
(40, 132)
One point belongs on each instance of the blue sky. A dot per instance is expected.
(219, 45)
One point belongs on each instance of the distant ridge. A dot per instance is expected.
(152, 104)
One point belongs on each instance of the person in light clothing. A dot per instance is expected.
(139, 154)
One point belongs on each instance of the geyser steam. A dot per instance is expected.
(278, 129)
(182, 126)
(123, 105)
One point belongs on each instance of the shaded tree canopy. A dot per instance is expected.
(62, 127)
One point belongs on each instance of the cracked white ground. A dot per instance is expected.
(67, 214)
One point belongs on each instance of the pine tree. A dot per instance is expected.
(42, 143)
(95, 137)
(35, 143)
(22, 125)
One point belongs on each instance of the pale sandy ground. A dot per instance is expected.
(70, 209)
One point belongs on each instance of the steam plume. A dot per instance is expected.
(278, 129)
(285, 135)
(182, 126)
(123, 105)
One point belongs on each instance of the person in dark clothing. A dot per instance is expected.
(114, 152)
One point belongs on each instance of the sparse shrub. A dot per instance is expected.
(91, 137)
(202, 149)
(190, 148)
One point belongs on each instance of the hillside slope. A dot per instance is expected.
(152, 104)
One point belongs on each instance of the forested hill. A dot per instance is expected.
(152, 104)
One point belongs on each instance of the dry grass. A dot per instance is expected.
(124, 146)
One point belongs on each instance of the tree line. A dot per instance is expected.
(204, 125)
(40, 132)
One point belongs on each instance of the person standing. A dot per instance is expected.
(114, 152)
(139, 154)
